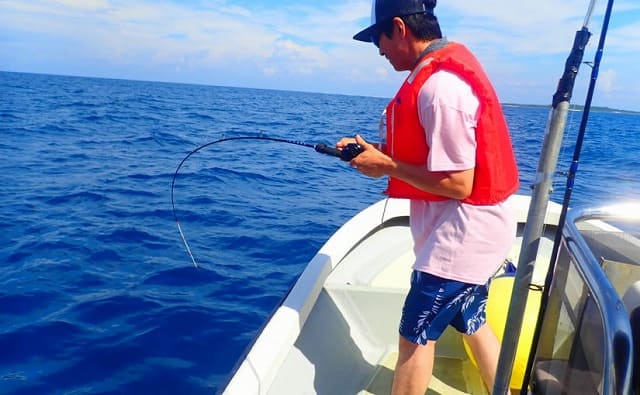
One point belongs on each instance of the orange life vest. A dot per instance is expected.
(496, 172)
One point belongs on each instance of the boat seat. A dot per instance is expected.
(549, 376)
(580, 372)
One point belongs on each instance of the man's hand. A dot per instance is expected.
(344, 141)
(371, 162)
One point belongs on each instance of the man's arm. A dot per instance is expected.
(451, 184)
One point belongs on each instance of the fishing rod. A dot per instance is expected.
(573, 169)
(542, 189)
(347, 153)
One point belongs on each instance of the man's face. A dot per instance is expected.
(393, 47)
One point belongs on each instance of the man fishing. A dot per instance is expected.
(448, 150)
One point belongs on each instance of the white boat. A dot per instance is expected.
(337, 330)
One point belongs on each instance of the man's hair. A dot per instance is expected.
(424, 26)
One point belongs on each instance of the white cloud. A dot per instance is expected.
(625, 39)
(298, 58)
(607, 81)
(82, 4)
(522, 44)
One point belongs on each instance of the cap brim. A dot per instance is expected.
(366, 34)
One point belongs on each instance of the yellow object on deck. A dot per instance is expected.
(497, 309)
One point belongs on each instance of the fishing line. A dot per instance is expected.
(347, 153)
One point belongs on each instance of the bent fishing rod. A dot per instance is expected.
(539, 201)
(347, 153)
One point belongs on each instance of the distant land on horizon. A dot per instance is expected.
(573, 107)
(576, 107)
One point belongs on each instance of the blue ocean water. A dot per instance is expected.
(98, 294)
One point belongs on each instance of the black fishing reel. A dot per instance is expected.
(347, 153)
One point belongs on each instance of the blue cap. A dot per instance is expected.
(383, 10)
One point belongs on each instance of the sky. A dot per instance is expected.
(307, 45)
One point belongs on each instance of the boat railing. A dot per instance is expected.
(587, 341)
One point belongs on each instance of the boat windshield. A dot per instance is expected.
(587, 339)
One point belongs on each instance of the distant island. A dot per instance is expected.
(576, 107)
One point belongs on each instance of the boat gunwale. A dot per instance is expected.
(301, 297)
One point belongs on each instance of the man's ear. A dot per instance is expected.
(399, 27)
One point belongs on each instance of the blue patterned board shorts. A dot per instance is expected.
(434, 302)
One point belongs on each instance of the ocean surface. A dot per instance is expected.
(97, 292)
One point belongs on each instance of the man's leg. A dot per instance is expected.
(414, 368)
(486, 350)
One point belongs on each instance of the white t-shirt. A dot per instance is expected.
(456, 240)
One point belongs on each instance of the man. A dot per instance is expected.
(448, 150)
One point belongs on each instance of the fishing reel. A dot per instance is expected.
(347, 152)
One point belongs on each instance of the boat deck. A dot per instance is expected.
(368, 288)
(451, 376)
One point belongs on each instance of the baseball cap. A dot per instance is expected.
(383, 10)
